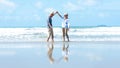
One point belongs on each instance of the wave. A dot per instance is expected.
(76, 34)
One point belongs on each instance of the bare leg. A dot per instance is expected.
(67, 34)
(63, 30)
(49, 34)
(52, 34)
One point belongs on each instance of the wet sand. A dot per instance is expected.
(59, 55)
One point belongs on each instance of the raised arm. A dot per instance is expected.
(59, 14)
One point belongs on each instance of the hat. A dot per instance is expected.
(65, 14)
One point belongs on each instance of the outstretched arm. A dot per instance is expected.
(59, 14)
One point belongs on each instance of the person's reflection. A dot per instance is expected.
(50, 52)
(65, 51)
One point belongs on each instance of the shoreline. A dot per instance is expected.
(59, 42)
(75, 34)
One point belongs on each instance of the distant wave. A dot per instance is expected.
(76, 34)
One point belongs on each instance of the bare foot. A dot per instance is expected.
(52, 40)
(47, 40)
(68, 40)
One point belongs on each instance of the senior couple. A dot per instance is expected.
(65, 26)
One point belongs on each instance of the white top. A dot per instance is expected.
(65, 24)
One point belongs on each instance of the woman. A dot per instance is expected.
(65, 27)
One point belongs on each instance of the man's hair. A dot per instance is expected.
(52, 13)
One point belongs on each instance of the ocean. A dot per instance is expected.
(98, 33)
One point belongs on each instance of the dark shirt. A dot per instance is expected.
(49, 22)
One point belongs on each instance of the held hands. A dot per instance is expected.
(56, 11)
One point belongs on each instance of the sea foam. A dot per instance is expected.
(75, 34)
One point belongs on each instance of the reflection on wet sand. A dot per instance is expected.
(50, 52)
(81, 55)
(64, 50)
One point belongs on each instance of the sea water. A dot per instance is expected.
(75, 34)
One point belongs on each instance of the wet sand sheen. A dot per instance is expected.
(60, 55)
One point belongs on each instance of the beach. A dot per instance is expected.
(78, 54)
(89, 47)
(59, 34)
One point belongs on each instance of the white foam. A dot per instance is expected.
(76, 34)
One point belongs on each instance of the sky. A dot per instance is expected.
(34, 13)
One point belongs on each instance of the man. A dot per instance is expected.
(50, 28)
